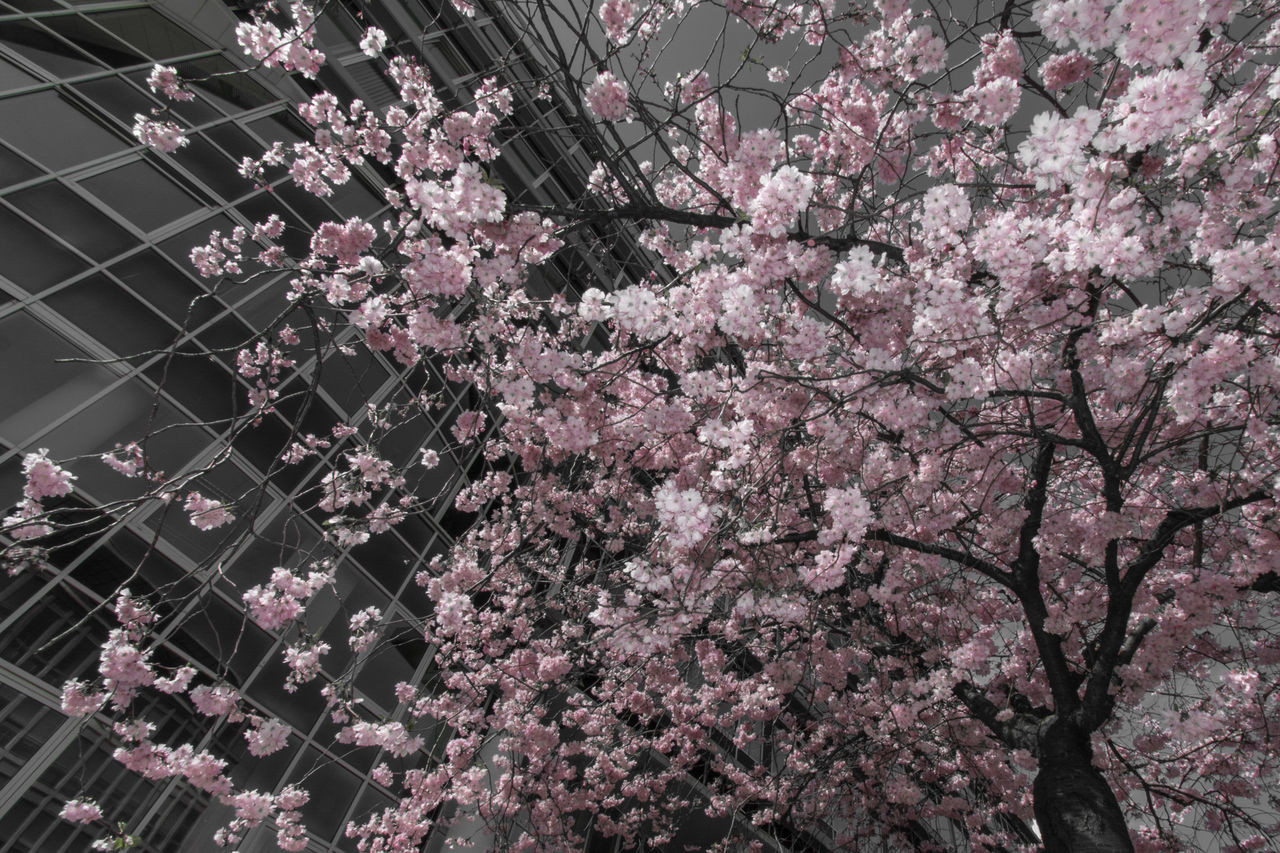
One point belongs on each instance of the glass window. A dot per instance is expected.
(333, 789)
(156, 281)
(262, 774)
(203, 388)
(393, 661)
(312, 210)
(33, 824)
(28, 640)
(372, 84)
(281, 127)
(20, 335)
(179, 247)
(30, 259)
(234, 141)
(195, 111)
(73, 219)
(112, 315)
(214, 169)
(299, 709)
(14, 169)
(117, 97)
(265, 305)
(48, 128)
(94, 41)
(35, 43)
(151, 33)
(233, 93)
(13, 77)
(25, 725)
(352, 380)
(221, 637)
(296, 238)
(143, 194)
(354, 198)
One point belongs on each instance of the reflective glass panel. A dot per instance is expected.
(73, 219)
(150, 32)
(49, 129)
(35, 43)
(32, 260)
(143, 194)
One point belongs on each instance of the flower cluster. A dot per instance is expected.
(164, 136)
(303, 660)
(274, 605)
(206, 513)
(364, 628)
(291, 48)
(164, 79)
(607, 97)
(782, 197)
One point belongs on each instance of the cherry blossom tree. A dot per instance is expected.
(925, 478)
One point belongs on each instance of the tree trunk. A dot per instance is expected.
(1075, 807)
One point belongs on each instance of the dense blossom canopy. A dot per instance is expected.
(924, 483)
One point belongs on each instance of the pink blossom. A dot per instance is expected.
(164, 136)
(78, 701)
(206, 513)
(45, 479)
(343, 241)
(215, 701)
(684, 514)
(303, 660)
(373, 42)
(1065, 70)
(607, 97)
(178, 682)
(363, 626)
(81, 811)
(469, 425)
(124, 667)
(266, 736)
(20, 525)
(782, 196)
(164, 79)
(127, 460)
(849, 513)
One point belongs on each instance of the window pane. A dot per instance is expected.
(355, 199)
(14, 169)
(94, 41)
(145, 195)
(30, 259)
(214, 169)
(37, 44)
(233, 94)
(112, 315)
(150, 32)
(117, 97)
(47, 128)
(157, 282)
(73, 219)
(332, 791)
(13, 77)
(179, 246)
(280, 127)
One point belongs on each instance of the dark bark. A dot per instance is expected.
(1075, 807)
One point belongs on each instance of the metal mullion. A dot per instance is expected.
(40, 71)
(94, 266)
(105, 6)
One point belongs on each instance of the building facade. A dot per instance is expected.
(107, 333)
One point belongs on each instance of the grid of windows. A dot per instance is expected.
(95, 290)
